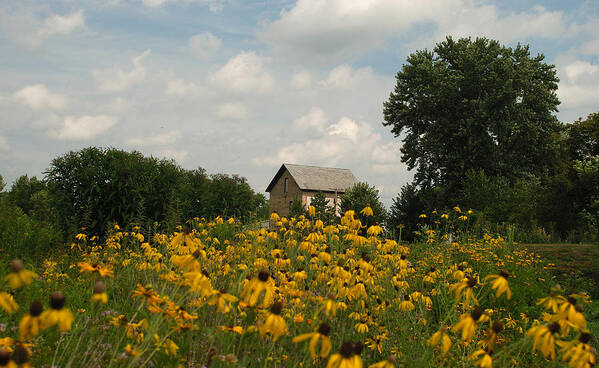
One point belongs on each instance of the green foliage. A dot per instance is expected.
(97, 186)
(2, 184)
(297, 209)
(25, 236)
(358, 197)
(404, 212)
(323, 208)
(582, 139)
(474, 105)
(23, 190)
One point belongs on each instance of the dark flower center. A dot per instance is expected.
(554, 327)
(504, 274)
(99, 287)
(4, 357)
(324, 329)
(471, 282)
(347, 350)
(263, 276)
(276, 308)
(20, 355)
(36, 308)
(585, 337)
(16, 265)
(358, 348)
(497, 326)
(476, 313)
(57, 300)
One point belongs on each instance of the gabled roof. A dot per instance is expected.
(324, 179)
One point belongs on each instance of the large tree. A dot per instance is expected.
(474, 105)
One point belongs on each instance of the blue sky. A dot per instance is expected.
(243, 86)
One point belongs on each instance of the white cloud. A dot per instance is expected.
(85, 127)
(244, 73)
(115, 80)
(180, 87)
(333, 30)
(4, 146)
(582, 97)
(580, 68)
(204, 45)
(345, 128)
(39, 97)
(178, 156)
(345, 142)
(346, 77)
(313, 123)
(161, 139)
(215, 6)
(301, 80)
(232, 110)
(578, 87)
(591, 47)
(62, 24)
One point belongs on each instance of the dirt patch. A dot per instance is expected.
(571, 258)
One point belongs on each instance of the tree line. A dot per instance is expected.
(96, 187)
(478, 126)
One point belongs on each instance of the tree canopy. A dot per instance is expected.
(360, 196)
(474, 105)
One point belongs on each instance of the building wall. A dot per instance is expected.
(333, 198)
(279, 200)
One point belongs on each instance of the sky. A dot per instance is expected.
(241, 87)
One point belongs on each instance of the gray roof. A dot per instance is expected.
(324, 179)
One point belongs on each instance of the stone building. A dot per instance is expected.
(303, 182)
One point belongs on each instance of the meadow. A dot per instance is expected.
(298, 293)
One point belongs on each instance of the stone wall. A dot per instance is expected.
(281, 201)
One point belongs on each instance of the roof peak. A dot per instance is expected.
(317, 178)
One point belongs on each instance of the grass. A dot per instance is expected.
(391, 297)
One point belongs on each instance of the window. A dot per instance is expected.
(286, 185)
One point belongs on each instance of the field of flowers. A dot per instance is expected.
(301, 293)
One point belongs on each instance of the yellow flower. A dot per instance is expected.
(441, 336)
(466, 285)
(19, 276)
(274, 323)
(406, 305)
(8, 303)
(274, 217)
(484, 358)
(100, 295)
(361, 327)
(467, 324)
(20, 358)
(544, 338)
(322, 334)
(255, 287)
(500, 284)
(57, 314)
(311, 211)
(131, 351)
(572, 312)
(103, 271)
(578, 352)
(554, 299)
(387, 363)
(31, 325)
(347, 357)
(367, 211)
(222, 301)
